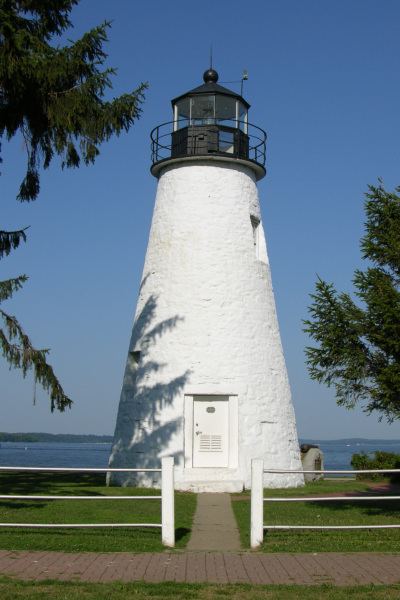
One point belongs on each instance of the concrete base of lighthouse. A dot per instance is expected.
(205, 380)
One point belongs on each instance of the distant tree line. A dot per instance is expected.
(54, 437)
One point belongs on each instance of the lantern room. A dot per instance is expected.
(209, 121)
(210, 103)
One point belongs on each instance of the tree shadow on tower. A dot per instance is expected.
(145, 425)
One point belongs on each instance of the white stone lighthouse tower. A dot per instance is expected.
(205, 379)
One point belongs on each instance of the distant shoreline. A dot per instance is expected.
(55, 437)
(93, 438)
(355, 440)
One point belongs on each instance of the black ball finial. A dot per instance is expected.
(210, 76)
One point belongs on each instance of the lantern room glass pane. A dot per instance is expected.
(183, 114)
(225, 108)
(203, 110)
(226, 142)
(243, 117)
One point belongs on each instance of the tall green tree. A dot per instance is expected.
(55, 97)
(358, 351)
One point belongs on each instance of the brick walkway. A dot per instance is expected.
(212, 567)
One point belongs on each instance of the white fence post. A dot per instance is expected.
(257, 503)
(167, 501)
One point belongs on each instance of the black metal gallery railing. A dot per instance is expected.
(205, 137)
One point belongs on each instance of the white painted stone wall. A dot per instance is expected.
(206, 324)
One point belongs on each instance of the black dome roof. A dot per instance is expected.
(211, 87)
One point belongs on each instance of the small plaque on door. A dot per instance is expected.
(210, 409)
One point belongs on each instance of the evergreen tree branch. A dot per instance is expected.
(9, 286)
(56, 96)
(22, 355)
(358, 347)
(10, 240)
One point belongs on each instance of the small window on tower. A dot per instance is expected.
(135, 357)
(255, 224)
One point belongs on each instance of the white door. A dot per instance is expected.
(210, 431)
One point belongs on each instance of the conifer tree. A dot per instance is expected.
(358, 348)
(55, 97)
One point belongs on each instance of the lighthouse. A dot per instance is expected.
(205, 378)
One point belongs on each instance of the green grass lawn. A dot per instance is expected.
(323, 513)
(60, 590)
(86, 511)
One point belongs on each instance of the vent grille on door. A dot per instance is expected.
(211, 443)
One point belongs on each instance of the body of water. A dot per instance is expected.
(337, 453)
(54, 454)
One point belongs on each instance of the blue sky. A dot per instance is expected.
(323, 82)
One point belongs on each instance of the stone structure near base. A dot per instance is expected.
(205, 378)
(312, 459)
